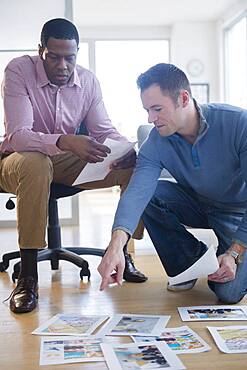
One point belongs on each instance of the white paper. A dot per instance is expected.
(98, 171)
(138, 356)
(128, 324)
(180, 340)
(70, 324)
(64, 350)
(230, 339)
(205, 266)
(213, 313)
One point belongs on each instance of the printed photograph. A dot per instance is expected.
(62, 350)
(198, 313)
(230, 339)
(154, 355)
(69, 324)
(128, 324)
(180, 340)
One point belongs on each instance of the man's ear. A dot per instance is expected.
(41, 50)
(184, 97)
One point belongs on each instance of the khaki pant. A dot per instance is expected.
(29, 175)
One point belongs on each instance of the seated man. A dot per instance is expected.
(205, 149)
(46, 97)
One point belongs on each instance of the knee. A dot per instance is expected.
(227, 293)
(167, 190)
(164, 196)
(122, 177)
(35, 165)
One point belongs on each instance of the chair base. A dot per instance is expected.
(55, 251)
(54, 255)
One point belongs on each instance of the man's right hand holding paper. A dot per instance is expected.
(84, 147)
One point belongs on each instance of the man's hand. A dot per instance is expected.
(127, 161)
(226, 271)
(112, 264)
(227, 263)
(84, 147)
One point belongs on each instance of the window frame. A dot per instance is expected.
(226, 72)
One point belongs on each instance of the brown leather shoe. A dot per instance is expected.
(25, 296)
(131, 274)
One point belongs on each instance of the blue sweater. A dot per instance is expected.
(215, 166)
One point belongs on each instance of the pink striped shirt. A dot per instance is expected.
(37, 112)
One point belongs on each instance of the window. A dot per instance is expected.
(236, 63)
(118, 64)
(82, 56)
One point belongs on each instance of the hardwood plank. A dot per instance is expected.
(62, 291)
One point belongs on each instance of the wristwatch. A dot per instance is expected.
(237, 257)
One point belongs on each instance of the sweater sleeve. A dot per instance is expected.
(140, 189)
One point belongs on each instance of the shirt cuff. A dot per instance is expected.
(240, 242)
(51, 144)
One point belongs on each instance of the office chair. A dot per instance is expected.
(55, 252)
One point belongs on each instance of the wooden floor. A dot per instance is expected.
(63, 291)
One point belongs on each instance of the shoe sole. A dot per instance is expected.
(21, 310)
(141, 280)
(173, 288)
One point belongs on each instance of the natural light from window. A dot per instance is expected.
(118, 64)
(236, 64)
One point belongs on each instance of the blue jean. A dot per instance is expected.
(172, 207)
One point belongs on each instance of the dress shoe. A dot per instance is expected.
(131, 274)
(25, 296)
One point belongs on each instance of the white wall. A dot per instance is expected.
(197, 40)
(124, 32)
(21, 21)
(189, 40)
(232, 13)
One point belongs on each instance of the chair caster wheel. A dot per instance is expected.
(15, 276)
(3, 266)
(84, 272)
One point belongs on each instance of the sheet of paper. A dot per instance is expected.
(70, 324)
(98, 171)
(213, 313)
(180, 340)
(138, 356)
(128, 324)
(64, 350)
(205, 266)
(230, 339)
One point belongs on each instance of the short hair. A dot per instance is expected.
(59, 28)
(168, 77)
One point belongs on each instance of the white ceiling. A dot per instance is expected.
(147, 12)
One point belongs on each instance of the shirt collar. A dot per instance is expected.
(203, 122)
(42, 79)
(204, 126)
(74, 79)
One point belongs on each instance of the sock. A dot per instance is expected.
(29, 264)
